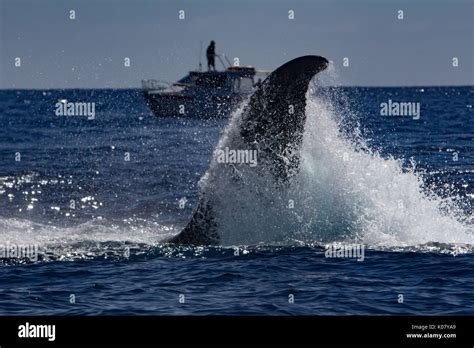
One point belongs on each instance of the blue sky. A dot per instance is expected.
(89, 52)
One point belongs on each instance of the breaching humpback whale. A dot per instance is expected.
(272, 122)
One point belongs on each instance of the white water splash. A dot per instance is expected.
(370, 199)
(343, 192)
(25, 232)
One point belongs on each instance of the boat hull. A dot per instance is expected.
(191, 106)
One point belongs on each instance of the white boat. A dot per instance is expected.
(211, 94)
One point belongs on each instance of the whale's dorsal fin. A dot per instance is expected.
(274, 119)
(273, 124)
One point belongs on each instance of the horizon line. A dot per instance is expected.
(140, 88)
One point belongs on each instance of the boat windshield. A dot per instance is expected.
(246, 85)
(242, 85)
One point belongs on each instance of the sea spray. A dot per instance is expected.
(343, 192)
(369, 198)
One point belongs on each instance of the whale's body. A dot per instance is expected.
(272, 123)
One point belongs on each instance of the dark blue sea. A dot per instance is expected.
(94, 198)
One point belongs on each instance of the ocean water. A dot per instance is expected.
(94, 198)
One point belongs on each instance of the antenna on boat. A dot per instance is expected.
(227, 60)
(200, 55)
(222, 62)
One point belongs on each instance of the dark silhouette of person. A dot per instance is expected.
(211, 56)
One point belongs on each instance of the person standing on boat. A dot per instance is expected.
(211, 55)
